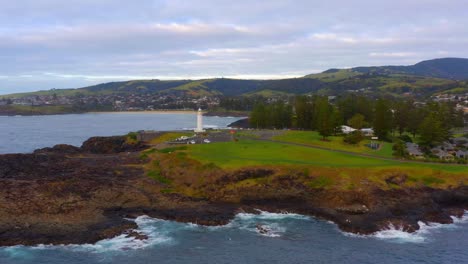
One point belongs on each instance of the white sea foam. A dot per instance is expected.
(271, 222)
(395, 234)
(263, 215)
(146, 226)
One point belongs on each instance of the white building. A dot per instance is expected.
(199, 128)
(347, 129)
(367, 131)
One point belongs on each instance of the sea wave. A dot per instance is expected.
(147, 226)
(422, 235)
(264, 223)
(273, 225)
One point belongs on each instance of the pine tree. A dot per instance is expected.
(382, 119)
(432, 131)
(324, 122)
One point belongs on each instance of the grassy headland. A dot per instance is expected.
(197, 169)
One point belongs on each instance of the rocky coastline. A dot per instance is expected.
(76, 195)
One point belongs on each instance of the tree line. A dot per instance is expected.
(432, 121)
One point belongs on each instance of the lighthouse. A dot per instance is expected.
(199, 128)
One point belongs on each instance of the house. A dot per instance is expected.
(347, 129)
(461, 154)
(460, 141)
(413, 150)
(447, 146)
(443, 155)
(367, 132)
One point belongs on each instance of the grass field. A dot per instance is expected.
(313, 138)
(231, 155)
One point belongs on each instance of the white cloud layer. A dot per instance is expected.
(61, 44)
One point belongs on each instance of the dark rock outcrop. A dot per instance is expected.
(242, 123)
(65, 195)
(109, 145)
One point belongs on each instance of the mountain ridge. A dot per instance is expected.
(422, 79)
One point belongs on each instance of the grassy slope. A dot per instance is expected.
(334, 76)
(328, 169)
(196, 169)
(313, 138)
(251, 153)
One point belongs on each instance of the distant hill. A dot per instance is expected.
(447, 68)
(420, 80)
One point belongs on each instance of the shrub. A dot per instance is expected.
(405, 138)
(321, 182)
(156, 174)
(399, 149)
(132, 138)
(354, 137)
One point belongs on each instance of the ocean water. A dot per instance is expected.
(22, 134)
(290, 238)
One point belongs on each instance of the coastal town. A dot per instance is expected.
(116, 102)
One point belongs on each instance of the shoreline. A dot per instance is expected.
(66, 183)
(205, 113)
(145, 112)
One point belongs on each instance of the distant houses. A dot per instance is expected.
(448, 151)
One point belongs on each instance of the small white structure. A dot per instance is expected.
(199, 128)
(367, 131)
(347, 129)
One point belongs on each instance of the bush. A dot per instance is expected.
(405, 138)
(399, 149)
(354, 137)
(132, 138)
(321, 182)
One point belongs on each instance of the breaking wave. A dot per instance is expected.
(422, 235)
(272, 225)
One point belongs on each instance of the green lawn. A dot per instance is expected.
(313, 138)
(251, 152)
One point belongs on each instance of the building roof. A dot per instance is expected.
(413, 149)
(347, 129)
(442, 154)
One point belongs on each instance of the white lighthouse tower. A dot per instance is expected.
(199, 128)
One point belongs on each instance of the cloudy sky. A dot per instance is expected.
(67, 44)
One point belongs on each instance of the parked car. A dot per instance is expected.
(206, 141)
(192, 142)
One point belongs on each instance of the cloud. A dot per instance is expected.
(75, 43)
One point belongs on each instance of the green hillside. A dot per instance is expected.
(421, 80)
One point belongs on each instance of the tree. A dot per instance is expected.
(415, 117)
(337, 120)
(402, 116)
(399, 149)
(257, 117)
(304, 110)
(324, 121)
(354, 137)
(432, 131)
(357, 121)
(382, 119)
